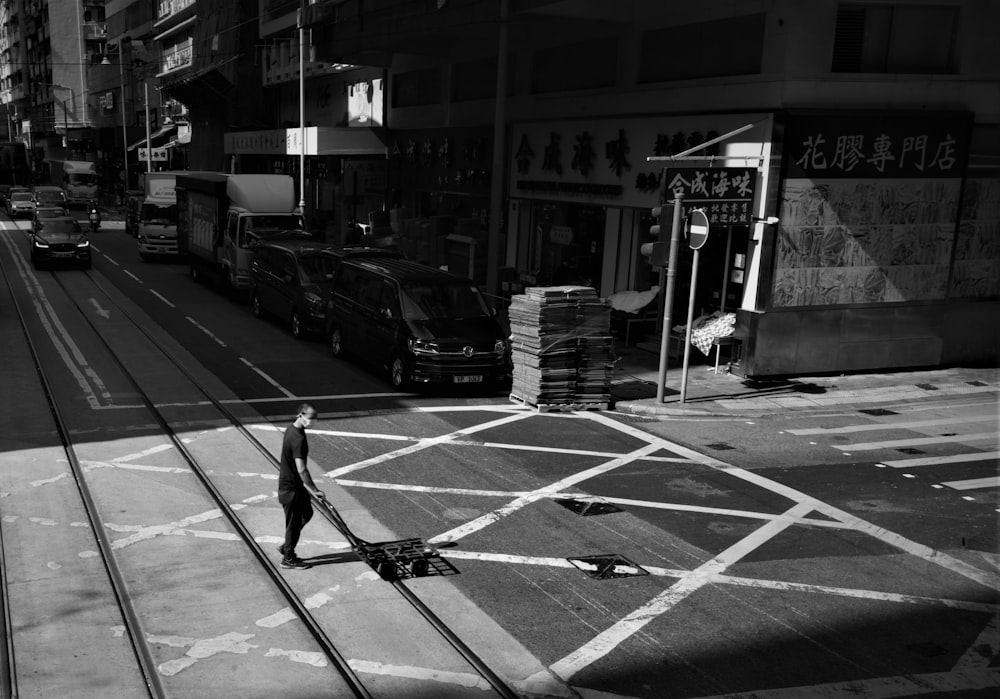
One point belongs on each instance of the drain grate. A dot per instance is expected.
(878, 411)
(588, 508)
(720, 446)
(911, 450)
(608, 566)
(977, 383)
(928, 387)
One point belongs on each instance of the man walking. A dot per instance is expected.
(295, 483)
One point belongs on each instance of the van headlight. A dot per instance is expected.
(499, 347)
(423, 346)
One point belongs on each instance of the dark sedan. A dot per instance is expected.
(59, 241)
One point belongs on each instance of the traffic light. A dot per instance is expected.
(657, 251)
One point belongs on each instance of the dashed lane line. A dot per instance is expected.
(917, 441)
(879, 426)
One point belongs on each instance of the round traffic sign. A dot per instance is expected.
(697, 228)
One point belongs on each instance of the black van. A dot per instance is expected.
(421, 325)
(291, 275)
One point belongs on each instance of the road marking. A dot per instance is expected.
(87, 379)
(264, 376)
(934, 460)
(160, 296)
(612, 637)
(426, 443)
(974, 483)
(874, 427)
(895, 443)
(133, 276)
(518, 503)
(204, 330)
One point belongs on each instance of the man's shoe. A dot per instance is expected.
(295, 562)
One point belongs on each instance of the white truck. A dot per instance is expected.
(156, 229)
(78, 178)
(220, 216)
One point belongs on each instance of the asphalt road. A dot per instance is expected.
(775, 557)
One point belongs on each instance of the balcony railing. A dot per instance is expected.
(165, 8)
(178, 57)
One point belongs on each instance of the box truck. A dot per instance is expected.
(221, 216)
(156, 229)
(78, 178)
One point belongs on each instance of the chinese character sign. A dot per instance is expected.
(725, 193)
(823, 147)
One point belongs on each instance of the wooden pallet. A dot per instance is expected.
(567, 407)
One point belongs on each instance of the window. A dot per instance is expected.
(580, 66)
(731, 46)
(895, 39)
(416, 87)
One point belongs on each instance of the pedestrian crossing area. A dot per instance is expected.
(958, 449)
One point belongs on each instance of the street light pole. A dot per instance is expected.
(121, 76)
(302, 108)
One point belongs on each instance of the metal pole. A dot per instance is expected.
(687, 333)
(302, 108)
(668, 296)
(725, 269)
(121, 75)
(494, 254)
(149, 140)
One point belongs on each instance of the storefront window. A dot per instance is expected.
(566, 243)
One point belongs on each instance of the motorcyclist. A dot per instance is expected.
(93, 214)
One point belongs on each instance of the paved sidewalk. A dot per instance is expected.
(636, 373)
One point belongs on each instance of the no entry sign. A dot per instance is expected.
(697, 228)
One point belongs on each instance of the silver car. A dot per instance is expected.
(20, 204)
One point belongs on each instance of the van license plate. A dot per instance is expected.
(468, 379)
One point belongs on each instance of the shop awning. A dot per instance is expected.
(319, 140)
(182, 140)
(155, 138)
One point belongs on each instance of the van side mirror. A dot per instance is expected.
(289, 279)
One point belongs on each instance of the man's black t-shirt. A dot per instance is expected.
(293, 445)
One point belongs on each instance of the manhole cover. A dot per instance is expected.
(588, 508)
(910, 450)
(720, 446)
(607, 566)
(927, 386)
(878, 411)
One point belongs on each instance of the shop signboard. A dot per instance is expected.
(726, 194)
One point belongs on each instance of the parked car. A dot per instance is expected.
(51, 196)
(418, 323)
(290, 279)
(20, 203)
(59, 240)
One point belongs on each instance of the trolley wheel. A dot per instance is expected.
(387, 571)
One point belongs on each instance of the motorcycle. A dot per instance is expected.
(94, 216)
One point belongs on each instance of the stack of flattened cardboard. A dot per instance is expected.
(561, 346)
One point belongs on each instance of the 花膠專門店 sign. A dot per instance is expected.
(726, 194)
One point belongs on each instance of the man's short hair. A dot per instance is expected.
(307, 408)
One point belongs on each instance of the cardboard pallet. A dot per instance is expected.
(566, 407)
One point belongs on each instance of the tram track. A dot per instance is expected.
(223, 415)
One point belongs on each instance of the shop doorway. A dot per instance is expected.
(566, 245)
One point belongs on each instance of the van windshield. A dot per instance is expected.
(316, 269)
(84, 179)
(452, 300)
(159, 213)
(50, 197)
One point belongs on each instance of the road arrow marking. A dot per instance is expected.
(100, 311)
